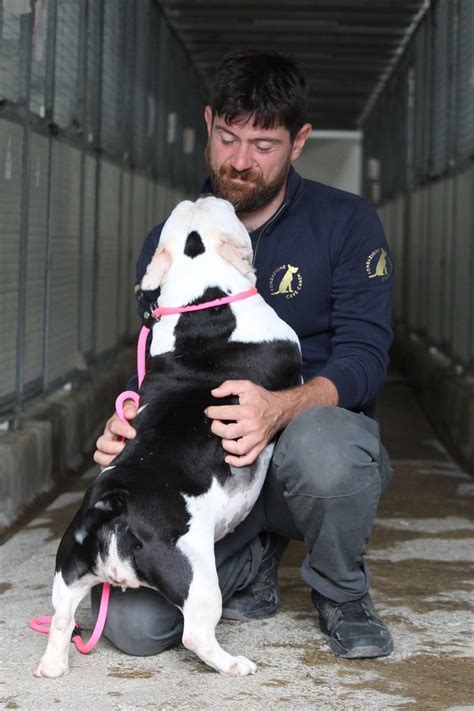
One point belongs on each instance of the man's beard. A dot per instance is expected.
(253, 193)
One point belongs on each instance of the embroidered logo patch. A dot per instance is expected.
(379, 265)
(286, 281)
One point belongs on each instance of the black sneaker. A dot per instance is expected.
(260, 599)
(355, 629)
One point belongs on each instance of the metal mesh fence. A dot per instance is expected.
(420, 137)
(87, 167)
(9, 54)
(67, 70)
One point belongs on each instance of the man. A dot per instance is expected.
(316, 251)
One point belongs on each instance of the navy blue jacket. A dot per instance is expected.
(324, 265)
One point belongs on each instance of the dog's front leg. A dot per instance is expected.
(202, 611)
(66, 598)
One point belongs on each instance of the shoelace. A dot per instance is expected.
(354, 611)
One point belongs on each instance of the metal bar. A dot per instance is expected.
(26, 29)
(120, 277)
(97, 193)
(82, 84)
(49, 104)
(470, 364)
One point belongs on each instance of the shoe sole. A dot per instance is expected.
(362, 652)
(229, 614)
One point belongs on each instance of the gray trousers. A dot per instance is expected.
(323, 487)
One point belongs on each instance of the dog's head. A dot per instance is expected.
(199, 240)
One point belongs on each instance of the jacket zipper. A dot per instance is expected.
(277, 213)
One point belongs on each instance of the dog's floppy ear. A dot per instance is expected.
(156, 270)
(239, 255)
(104, 510)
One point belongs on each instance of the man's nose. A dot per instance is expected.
(242, 158)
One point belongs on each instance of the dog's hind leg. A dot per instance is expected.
(202, 610)
(66, 598)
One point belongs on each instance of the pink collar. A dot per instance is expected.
(168, 310)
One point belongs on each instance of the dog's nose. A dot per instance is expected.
(194, 245)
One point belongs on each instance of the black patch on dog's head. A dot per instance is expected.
(194, 245)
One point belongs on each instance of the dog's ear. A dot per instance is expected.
(156, 270)
(239, 255)
(104, 510)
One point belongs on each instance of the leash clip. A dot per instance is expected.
(77, 632)
(148, 318)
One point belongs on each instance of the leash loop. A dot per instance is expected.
(43, 623)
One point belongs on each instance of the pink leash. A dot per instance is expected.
(43, 623)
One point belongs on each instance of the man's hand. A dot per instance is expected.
(109, 444)
(262, 413)
(259, 415)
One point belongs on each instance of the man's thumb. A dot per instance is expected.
(129, 409)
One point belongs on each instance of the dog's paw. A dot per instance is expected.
(50, 669)
(241, 666)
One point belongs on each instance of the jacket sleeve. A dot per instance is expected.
(361, 314)
(145, 298)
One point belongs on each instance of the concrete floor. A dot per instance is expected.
(422, 560)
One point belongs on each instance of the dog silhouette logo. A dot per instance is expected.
(290, 284)
(379, 264)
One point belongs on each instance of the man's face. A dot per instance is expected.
(247, 165)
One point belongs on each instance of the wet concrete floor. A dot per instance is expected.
(421, 557)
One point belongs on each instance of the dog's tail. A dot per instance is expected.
(108, 507)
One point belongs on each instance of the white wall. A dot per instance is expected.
(334, 158)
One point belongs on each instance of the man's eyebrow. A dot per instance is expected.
(259, 139)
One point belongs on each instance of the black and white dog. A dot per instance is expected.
(152, 518)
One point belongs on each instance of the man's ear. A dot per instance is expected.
(209, 119)
(240, 256)
(300, 139)
(156, 270)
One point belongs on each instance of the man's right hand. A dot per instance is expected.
(109, 444)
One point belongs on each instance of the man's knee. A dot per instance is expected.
(327, 452)
(139, 622)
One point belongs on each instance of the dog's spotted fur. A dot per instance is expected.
(153, 516)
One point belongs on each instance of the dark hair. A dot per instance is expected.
(263, 84)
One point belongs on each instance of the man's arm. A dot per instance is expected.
(361, 309)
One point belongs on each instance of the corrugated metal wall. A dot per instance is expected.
(420, 138)
(101, 134)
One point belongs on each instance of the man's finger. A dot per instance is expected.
(129, 409)
(231, 387)
(121, 429)
(109, 446)
(244, 461)
(241, 446)
(232, 431)
(225, 412)
(103, 459)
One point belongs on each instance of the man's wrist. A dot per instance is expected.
(317, 392)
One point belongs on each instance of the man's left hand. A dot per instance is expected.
(259, 415)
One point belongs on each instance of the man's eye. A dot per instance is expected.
(227, 141)
(264, 149)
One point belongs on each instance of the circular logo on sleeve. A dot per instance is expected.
(378, 265)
